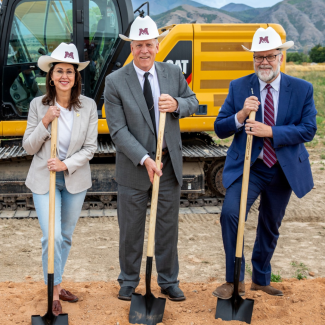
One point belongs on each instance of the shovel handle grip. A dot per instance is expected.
(155, 186)
(54, 134)
(244, 192)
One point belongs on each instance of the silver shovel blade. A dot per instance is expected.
(235, 309)
(62, 319)
(145, 310)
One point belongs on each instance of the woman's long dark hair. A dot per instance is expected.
(49, 98)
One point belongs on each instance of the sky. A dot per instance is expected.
(252, 3)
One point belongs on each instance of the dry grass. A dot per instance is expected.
(291, 68)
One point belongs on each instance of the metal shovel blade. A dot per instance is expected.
(235, 308)
(62, 319)
(146, 309)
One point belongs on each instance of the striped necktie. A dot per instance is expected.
(269, 156)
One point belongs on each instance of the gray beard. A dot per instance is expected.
(272, 75)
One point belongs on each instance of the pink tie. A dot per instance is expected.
(269, 156)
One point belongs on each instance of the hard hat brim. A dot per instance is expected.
(284, 46)
(159, 37)
(45, 63)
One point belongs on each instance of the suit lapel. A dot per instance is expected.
(77, 116)
(136, 90)
(284, 99)
(162, 78)
(255, 85)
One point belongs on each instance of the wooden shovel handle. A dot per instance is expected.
(50, 265)
(244, 192)
(155, 187)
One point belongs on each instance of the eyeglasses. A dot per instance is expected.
(69, 73)
(269, 58)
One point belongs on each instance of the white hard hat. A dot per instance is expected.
(143, 29)
(267, 39)
(65, 53)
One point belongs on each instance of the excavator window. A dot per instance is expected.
(100, 35)
(37, 28)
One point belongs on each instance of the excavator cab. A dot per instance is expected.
(31, 28)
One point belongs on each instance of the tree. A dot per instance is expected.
(297, 57)
(317, 54)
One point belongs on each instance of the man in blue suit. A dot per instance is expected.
(285, 119)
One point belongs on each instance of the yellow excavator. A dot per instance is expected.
(210, 56)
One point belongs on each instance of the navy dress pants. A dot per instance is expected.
(275, 192)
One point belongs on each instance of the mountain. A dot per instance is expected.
(157, 6)
(186, 14)
(303, 21)
(234, 7)
(248, 15)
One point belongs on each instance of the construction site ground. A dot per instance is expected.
(93, 267)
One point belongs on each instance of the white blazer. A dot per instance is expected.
(82, 147)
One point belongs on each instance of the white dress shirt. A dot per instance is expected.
(64, 130)
(275, 91)
(154, 84)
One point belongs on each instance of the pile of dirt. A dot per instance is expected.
(303, 303)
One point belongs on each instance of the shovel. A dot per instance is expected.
(49, 318)
(236, 308)
(148, 309)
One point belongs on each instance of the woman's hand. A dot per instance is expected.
(56, 165)
(50, 115)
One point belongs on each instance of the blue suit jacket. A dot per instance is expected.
(295, 124)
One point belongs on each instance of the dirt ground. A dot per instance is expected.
(92, 268)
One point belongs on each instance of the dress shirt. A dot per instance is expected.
(275, 91)
(154, 84)
(64, 130)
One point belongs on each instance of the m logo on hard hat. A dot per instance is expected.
(140, 28)
(69, 55)
(143, 31)
(264, 39)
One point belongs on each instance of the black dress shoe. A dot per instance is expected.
(125, 293)
(174, 293)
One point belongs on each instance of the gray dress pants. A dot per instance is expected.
(131, 211)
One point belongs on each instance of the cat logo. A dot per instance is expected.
(181, 55)
(181, 63)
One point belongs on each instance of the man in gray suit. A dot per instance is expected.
(134, 96)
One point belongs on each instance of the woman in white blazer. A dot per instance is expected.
(77, 143)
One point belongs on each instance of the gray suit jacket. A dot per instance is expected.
(131, 127)
(83, 145)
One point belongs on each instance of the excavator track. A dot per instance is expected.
(202, 188)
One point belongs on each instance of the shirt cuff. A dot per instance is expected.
(143, 159)
(177, 110)
(238, 125)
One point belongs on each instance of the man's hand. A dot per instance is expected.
(152, 168)
(258, 129)
(56, 165)
(251, 104)
(167, 103)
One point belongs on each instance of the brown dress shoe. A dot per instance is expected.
(66, 295)
(56, 308)
(226, 290)
(268, 289)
